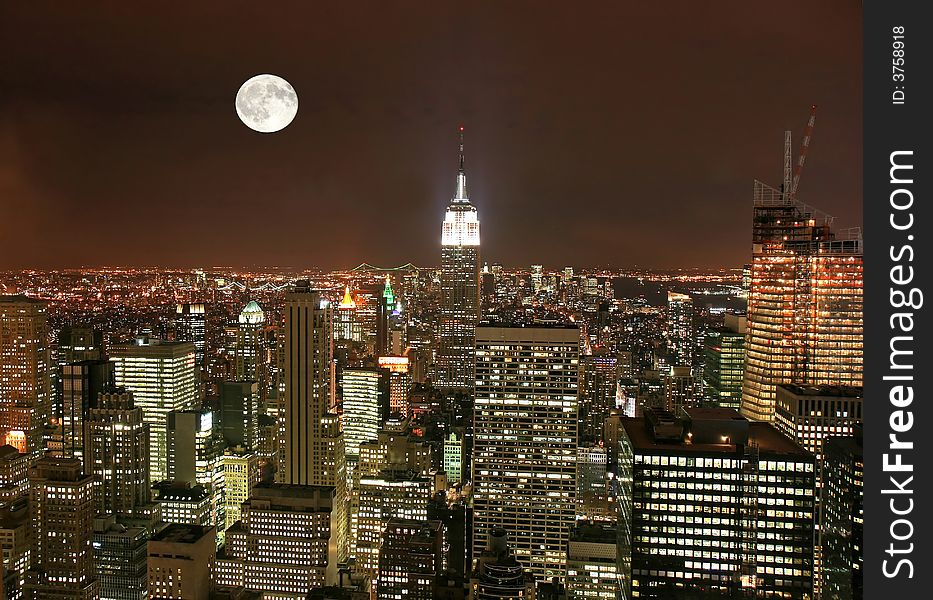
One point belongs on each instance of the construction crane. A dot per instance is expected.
(802, 158)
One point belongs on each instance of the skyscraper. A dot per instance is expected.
(25, 375)
(804, 302)
(195, 456)
(459, 304)
(525, 441)
(313, 443)
(410, 559)
(453, 457)
(680, 328)
(600, 372)
(117, 454)
(120, 557)
(364, 406)
(390, 494)
(192, 327)
(248, 352)
(180, 562)
(82, 382)
(242, 472)
(239, 413)
(843, 518)
(591, 562)
(724, 363)
(62, 512)
(399, 383)
(162, 378)
(284, 541)
(713, 504)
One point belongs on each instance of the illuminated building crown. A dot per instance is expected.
(461, 223)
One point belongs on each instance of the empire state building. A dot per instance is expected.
(459, 307)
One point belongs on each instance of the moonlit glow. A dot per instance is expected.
(266, 103)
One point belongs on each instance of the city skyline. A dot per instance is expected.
(554, 118)
(623, 359)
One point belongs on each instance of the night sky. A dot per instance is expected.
(625, 134)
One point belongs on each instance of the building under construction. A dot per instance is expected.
(804, 296)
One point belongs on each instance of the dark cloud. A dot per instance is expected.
(597, 133)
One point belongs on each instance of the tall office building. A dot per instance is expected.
(680, 328)
(391, 494)
(810, 414)
(284, 542)
(14, 474)
(195, 456)
(453, 457)
(804, 302)
(184, 503)
(393, 451)
(16, 536)
(600, 372)
(459, 304)
(81, 383)
(191, 325)
(365, 407)
(843, 518)
(592, 483)
(313, 445)
(61, 508)
(713, 504)
(410, 560)
(162, 378)
(249, 351)
(117, 454)
(399, 383)
(591, 562)
(239, 413)
(347, 324)
(76, 344)
(121, 559)
(25, 373)
(525, 441)
(308, 455)
(180, 562)
(680, 388)
(724, 363)
(242, 472)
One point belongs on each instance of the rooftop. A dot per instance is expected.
(181, 533)
(834, 391)
(768, 439)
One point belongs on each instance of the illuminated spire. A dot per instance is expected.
(347, 301)
(461, 175)
(388, 295)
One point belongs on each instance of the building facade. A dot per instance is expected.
(25, 373)
(284, 542)
(460, 290)
(61, 507)
(525, 441)
(162, 378)
(805, 305)
(697, 497)
(117, 454)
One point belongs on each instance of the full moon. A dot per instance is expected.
(266, 103)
